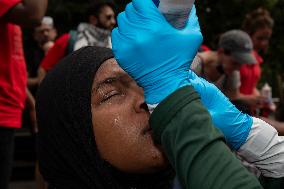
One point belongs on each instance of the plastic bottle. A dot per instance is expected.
(266, 92)
(176, 12)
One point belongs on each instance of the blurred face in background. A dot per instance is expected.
(260, 38)
(228, 63)
(44, 33)
(105, 19)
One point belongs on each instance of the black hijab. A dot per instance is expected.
(68, 155)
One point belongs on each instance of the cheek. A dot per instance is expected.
(52, 34)
(121, 142)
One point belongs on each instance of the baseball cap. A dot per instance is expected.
(238, 43)
(47, 20)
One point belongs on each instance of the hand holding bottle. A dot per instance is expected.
(154, 53)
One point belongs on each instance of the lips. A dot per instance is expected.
(146, 130)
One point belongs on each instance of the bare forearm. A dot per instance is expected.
(41, 74)
(30, 101)
(33, 82)
(28, 13)
(256, 92)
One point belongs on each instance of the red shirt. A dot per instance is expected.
(13, 74)
(250, 75)
(56, 53)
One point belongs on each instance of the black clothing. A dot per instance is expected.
(6, 155)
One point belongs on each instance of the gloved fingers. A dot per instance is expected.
(193, 23)
(192, 75)
(202, 86)
(148, 9)
(117, 45)
(135, 19)
(193, 32)
(120, 47)
(122, 24)
(132, 19)
(115, 37)
(195, 81)
(125, 25)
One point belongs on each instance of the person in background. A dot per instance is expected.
(259, 25)
(43, 37)
(45, 33)
(101, 20)
(97, 31)
(221, 67)
(13, 76)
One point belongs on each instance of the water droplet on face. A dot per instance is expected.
(116, 121)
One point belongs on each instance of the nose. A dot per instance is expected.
(139, 101)
(45, 33)
(113, 21)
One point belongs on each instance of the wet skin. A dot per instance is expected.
(120, 122)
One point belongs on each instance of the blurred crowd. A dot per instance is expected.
(234, 67)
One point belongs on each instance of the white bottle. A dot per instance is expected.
(266, 92)
(176, 12)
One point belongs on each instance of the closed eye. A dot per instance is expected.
(109, 95)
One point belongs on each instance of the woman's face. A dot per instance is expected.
(120, 122)
(260, 38)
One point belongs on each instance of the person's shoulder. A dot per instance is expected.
(208, 57)
(62, 41)
(63, 38)
(196, 65)
(6, 5)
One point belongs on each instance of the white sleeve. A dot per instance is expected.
(264, 149)
(81, 42)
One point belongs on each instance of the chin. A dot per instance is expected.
(156, 167)
(159, 159)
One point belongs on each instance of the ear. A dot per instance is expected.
(93, 20)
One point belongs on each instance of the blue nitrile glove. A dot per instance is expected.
(151, 51)
(234, 124)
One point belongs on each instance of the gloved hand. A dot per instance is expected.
(234, 124)
(151, 51)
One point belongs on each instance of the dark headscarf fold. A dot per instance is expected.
(68, 155)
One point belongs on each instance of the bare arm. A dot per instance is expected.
(28, 13)
(253, 100)
(30, 103)
(41, 74)
(33, 82)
